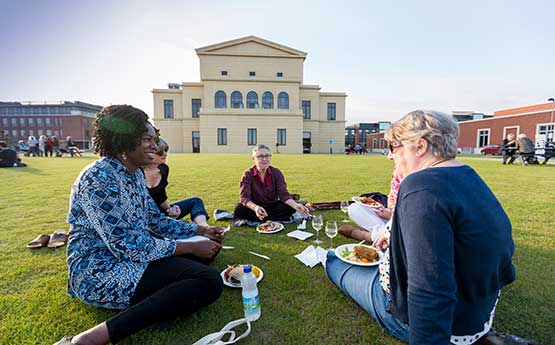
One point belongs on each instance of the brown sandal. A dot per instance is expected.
(57, 239)
(39, 242)
(501, 338)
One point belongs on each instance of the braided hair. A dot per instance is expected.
(118, 129)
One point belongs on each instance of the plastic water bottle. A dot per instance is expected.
(251, 301)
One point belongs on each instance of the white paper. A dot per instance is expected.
(322, 255)
(195, 238)
(300, 235)
(302, 226)
(308, 256)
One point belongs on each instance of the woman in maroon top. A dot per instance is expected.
(264, 193)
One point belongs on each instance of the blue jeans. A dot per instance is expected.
(362, 285)
(193, 206)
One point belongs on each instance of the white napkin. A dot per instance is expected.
(300, 235)
(302, 226)
(312, 256)
(195, 238)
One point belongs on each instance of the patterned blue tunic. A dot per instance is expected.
(115, 231)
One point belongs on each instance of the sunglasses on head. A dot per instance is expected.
(393, 145)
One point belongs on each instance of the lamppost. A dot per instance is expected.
(551, 124)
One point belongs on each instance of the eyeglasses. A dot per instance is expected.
(393, 145)
(261, 157)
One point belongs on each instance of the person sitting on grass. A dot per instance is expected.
(449, 251)
(9, 157)
(264, 194)
(371, 222)
(122, 252)
(156, 175)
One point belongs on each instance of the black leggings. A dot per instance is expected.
(170, 287)
(278, 211)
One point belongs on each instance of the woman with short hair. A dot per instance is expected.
(156, 175)
(449, 249)
(264, 194)
(122, 252)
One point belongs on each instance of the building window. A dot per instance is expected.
(306, 109)
(47, 121)
(220, 99)
(22, 133)
(195, 106)
(31, 121)
(168, 108)
(14, 122)
(267, 100)
(252, 74)
(483, 137)
(22, 121)
(5, 122)
(283, 100)
(251, 136)
(236, 99)
(279, 74)
(222, 136)
(252, 100)
(14, 133)
(48, 132)
(40, 132)
(282, 136)
(331, 111)
(224, 72)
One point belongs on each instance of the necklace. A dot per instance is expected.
(439, 162)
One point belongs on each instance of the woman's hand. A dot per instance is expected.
(383, 212)
(302, 209)
(201, 249)
(382, 242)
(173, 211)
(260, 212)
(215, 233)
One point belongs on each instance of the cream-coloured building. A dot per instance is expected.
(251, 92)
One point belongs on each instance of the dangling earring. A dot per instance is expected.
(124, 156)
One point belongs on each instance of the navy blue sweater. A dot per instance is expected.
(450, 254)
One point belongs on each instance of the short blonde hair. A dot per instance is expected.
(440, 130)
(162, 146)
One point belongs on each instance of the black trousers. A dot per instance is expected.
(277, 211)
(170, 287)
(508, 155)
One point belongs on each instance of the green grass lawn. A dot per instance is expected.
(299, 304)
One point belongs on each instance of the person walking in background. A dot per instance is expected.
(48, 144)
(33, 149)
(42, 145)
(56, 146)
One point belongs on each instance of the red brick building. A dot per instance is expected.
(536, 121)
(19, 120)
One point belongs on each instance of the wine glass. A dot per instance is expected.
(317, 223)
(331, 231)
(345, 208)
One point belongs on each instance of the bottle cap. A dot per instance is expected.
(247, 269)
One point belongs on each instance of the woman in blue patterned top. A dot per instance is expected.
(122, 252)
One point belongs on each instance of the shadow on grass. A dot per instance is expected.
(31, 170)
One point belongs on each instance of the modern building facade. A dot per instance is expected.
(536, 121)
(19, 120)
(250, 92)
(357, 133)
(460, 116)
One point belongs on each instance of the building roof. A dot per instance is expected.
(223, 48)
(529, 109)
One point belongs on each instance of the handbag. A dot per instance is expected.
(217, 338)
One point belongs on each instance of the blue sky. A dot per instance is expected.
(390, 57)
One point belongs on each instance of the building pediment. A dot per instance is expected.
(251, 46)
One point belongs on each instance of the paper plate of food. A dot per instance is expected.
(368, 202)
(358, 254)
(269, 227)
(231, 276)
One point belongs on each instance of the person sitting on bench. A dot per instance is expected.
(526, 150)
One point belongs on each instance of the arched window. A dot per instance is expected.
(283, 100)
(252, 100)
(236, 99)
(267, 100)
(220, 99)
